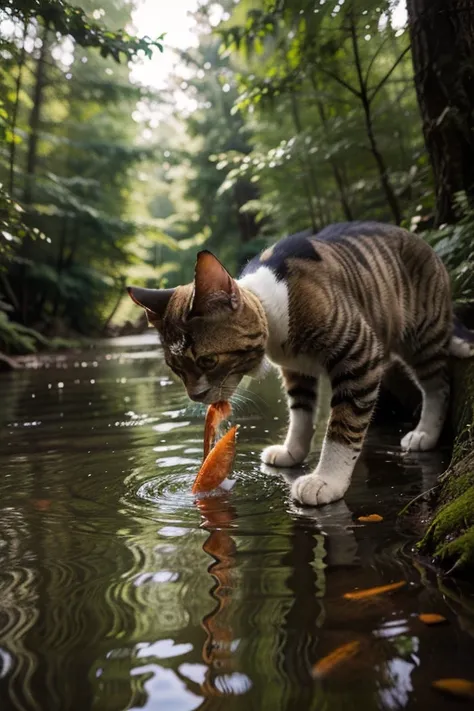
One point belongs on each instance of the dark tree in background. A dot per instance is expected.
(442, 37)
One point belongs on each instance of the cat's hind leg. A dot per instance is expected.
(429, 368)
(302, 394)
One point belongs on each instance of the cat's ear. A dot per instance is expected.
(214, 289)
(154, 301)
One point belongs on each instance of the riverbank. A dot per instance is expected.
(448, 537)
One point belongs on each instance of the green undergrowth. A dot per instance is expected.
(449, 539)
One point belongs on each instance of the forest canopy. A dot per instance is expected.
(280, 115)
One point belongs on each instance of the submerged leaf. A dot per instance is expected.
(372, 518)
(371, 592)
(432, 618)
(456, 687)
(335, 658)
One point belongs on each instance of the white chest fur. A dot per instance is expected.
(273, 295)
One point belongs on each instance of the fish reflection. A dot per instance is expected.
(218, 651)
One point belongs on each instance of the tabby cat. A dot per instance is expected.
(347, 301)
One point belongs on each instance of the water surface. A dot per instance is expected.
(119, 591)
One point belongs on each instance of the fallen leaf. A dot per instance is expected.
(332, 660)
(41, 504)
(373, 518)
(370, 592)
(456, 687)
(216, 412)
(432, 618)
(217, 465)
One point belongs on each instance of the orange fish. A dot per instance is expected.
(456, 687)
(332, 660)
(373, 518)
(216, 412)
(370, 592)
(217, 464)
(432, 618)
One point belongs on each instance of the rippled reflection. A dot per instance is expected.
(119, 590)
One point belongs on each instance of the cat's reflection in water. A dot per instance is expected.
(335, 521)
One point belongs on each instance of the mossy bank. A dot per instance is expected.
(448, 540)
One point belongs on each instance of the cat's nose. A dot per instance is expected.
(199, 396)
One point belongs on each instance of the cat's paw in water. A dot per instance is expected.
(418, 441)
(313, 490)
(277, 455)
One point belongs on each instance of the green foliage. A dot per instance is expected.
(286, 116)
(13, 228)
(69, 148)
(328, 89)
(66, 19)
(455, 246)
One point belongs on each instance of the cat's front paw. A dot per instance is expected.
(277, 455)
(418, 441)
(313, 490)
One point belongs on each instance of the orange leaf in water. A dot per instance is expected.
(371, 592)
(217, 465)
(456, 687)
(216, 412)
(432, 618)
(373, 518)
(41, 504)
(332, 660)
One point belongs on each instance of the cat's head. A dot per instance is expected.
(213, 331)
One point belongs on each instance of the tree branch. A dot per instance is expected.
(340, 81)
(388, 74)
(355, 48)
(374, 57)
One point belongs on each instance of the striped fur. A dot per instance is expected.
(346, 301)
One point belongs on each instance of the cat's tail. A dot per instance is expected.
(462, 341)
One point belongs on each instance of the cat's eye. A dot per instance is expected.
(207, 362)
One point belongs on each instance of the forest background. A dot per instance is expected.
(280, 115)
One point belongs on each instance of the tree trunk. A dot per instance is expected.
(115, 307)
(442, 37)
(338, 175)
(308, 181)
(16, 105)
(246, 221)
(35, 118)
(363, 92)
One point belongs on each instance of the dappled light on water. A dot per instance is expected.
(120, 589)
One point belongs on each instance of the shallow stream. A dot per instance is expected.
(119, 591)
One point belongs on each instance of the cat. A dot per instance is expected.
(346, 301)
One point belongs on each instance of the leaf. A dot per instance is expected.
(456, 687)
(340, 655)
(11, 137)
(372, 592)
(41, 504)
(372, 518)
(431, 618)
